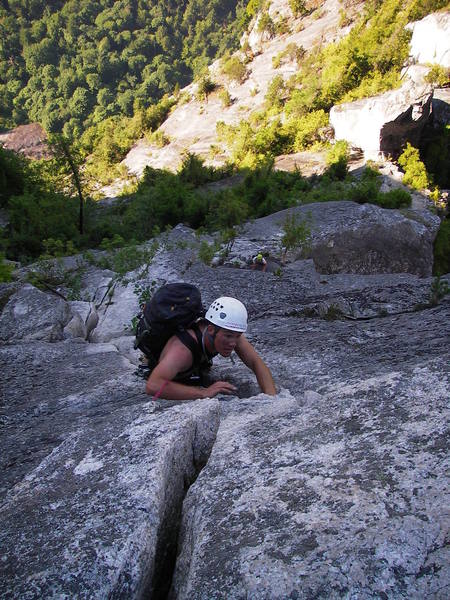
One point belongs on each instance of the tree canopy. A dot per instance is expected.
(74, 63)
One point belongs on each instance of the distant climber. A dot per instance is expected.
(259, 263)
(185, 358)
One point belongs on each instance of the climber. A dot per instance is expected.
(259, 263)
(220, 332)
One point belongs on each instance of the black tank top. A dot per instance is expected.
(201, 362)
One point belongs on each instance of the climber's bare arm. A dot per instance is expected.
(253, 361)
(175, 359)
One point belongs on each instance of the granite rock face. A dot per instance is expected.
(333, 488)
(429, 41)
(337, 491)
(33, 315)
(381, 125)
(116, 313)
(93, 474)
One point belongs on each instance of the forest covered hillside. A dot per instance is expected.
(70, 64)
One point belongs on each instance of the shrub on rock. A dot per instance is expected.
(415, 171)
(397, 198)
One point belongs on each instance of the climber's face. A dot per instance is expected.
(225, 340)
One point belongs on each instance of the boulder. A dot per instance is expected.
(350, 238)
(96, 283)
(381, 125)
(125, 346)
(76, 327)
(307, 163)
(429, 41)
(116, 313)
(81, 308)
(33, 315)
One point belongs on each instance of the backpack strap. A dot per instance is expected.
(194, 346)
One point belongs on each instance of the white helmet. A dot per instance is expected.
(228, 313)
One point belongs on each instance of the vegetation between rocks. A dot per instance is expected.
(44, 221)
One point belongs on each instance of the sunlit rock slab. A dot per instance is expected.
(339, 487)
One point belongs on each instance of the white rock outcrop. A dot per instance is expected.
(381, 124)
(430, 42)
(31, 314)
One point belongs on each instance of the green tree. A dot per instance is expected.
(146, 48)
(37, 216)
(205, 86)
(308, 129)
(298, 7)
(296, 234)
(225, 97)
(193, 170)
(337, 160)
(13, 175)
(415, 172)
(265, 23)
(233, 68)
(68, 160)
(438, 75)
(275, 92)
(226, 209)
(253, 7)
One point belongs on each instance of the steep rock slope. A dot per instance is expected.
(336, 486)
(192, 126)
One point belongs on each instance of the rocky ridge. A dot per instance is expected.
(378, 126)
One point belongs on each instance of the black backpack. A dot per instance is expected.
(173, 308)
